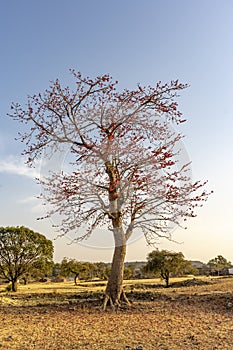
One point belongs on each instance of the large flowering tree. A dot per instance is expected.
(126, 172)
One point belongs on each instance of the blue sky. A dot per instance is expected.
(134, 41)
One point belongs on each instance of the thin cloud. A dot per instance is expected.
(13, 165)
(34, 203)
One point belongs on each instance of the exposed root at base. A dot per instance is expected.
(115, 304)
(124, 298)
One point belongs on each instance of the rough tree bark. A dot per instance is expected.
(114, 293)
(114, 290)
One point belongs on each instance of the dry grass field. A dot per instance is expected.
(191, 314)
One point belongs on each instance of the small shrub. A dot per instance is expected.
(9, 288)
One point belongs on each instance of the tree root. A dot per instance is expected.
(124, 298)
(105, 303)
(115, 304)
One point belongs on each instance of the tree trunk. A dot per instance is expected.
(14, 285)
(166, 275)
(167, 281)
(75, 279)
(114, 289)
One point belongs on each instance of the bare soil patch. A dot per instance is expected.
(192, 315)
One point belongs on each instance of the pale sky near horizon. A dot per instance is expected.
(135, 41)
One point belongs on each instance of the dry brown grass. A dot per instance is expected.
(190, 315)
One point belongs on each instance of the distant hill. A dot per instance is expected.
(137, 264)
(197, 264)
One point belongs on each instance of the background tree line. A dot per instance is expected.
(28, 256)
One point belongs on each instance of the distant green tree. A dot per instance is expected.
(56, 270)
(77, 269)
(129, 271)
(167, 264)
(219, 263)
(71, 268)
(21, 252)
(128, 274)
(42, 268)
(102, 270)
(88, 271)
(38, 270)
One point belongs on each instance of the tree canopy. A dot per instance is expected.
(219, 263)
(167, 264)
(22, 251)
(77, 269)
(126, 171)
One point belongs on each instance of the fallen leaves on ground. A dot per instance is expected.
(176, 319)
